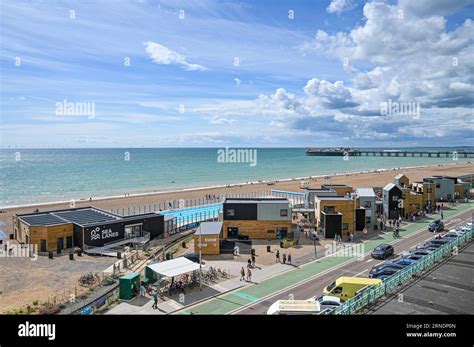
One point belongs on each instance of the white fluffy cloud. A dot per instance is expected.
(164, 56)
(339, 6)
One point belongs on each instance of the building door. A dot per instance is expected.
(133, 231)
(281, 233)
(43, 246)
(69, 242)
(60, 244)
(232, 233)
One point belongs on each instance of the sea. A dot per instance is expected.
(30, 176)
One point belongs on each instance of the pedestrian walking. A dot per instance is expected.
(249, 275)
(278, 256)
(289, 258)
(284, 258)
(253, 261)
(442, 216)
(242, 274)
(154, 294)
(365, 233)
(249, 263)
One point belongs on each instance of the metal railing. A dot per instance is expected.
(370, 295)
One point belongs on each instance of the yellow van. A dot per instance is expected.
(347, 287)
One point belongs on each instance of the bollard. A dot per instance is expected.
(269, 248)
(119, 255)
(71, 256)
(50, 255)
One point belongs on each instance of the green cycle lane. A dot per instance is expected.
(236, 299)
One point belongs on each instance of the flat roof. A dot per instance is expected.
(256, 200)
(336, 185)
(366, 192)
(43, 219)
(209, 228)
(329, 198)
(82, 216)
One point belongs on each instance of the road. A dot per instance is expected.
(361, 267)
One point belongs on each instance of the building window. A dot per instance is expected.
(438, 185)
(367, 204)
(345, 226)
(283, 213)
(394, 198)
(230, 212)
(368, 220)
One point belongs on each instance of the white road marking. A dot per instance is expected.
(368, 261)
(360, 273)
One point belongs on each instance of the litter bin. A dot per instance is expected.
(269, 248)
(50, 255)
(119, 255)
(282, 244)
(71, 256)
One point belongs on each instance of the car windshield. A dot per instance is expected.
(379, 248)
(331, 286)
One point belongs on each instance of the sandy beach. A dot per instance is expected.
(362, 179)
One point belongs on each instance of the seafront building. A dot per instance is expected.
(256, 218)
(85, 228)
(367, 199)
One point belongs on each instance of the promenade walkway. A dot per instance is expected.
(236, 299)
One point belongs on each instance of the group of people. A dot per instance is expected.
(243, 274)
(284, 258)
(211, 196)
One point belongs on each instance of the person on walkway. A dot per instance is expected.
(253, 261)
(249, 263)
(278, 256)
(249, 275)
(154, 294)
(442, 216)
(365, 233)
(284, 258)
(289, 258)
(242, 274)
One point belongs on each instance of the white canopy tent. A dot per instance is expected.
(174, 267)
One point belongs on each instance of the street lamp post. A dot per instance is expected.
(200, 261)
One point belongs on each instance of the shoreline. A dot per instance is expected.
(223, 186)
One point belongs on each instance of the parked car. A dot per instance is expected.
(328, 302)
(423, 251)
(436, 226)
(414, 257)
(404, 261)
(451, 235)
(383, 251)
(384, 272)
(192, 256)
(380, 268)
(438, 241)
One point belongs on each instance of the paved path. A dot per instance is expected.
(242, 300)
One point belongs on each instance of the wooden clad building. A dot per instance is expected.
(256, 218)
(336, 205)
(83, 227)
(207, 237)
(340, 189)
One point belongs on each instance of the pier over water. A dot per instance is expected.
(388, 153)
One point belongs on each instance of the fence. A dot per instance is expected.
(177, 204)
(373, 293)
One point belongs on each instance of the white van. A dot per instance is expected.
(294, 307)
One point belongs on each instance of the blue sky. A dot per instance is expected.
(309, 73)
